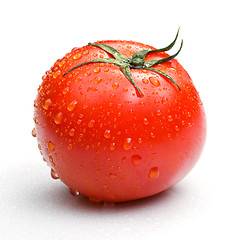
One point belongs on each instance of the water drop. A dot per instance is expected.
(127, 144)
(69, 146)
(71, 132)
(145, 80)
(112, 146)
(47, 103)
(145, 121)
(85, 52)
(107, 134)
(112, 175)
(54, 175)
(164, 100)
(87, 73)
(154, 81)
(136, 159)
(58, 118)
(97, 69)
(50, 146)
(91, 123)
(115, 85)
(77, 56)
(34, 134)
(154, 172)
(71, 105)
(176, 128)
(97, 80)
(170, 118)
(50, 159)
(73, 192)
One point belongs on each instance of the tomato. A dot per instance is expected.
(119, 120)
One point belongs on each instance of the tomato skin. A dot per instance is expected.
(105, 141)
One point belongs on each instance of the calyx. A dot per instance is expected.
(137, 61)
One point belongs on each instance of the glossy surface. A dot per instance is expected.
(104, 141)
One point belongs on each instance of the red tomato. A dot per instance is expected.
(118, 129)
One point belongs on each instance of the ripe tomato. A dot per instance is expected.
(116, 124)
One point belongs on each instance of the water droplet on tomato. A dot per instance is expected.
(170, 118)
(154, 81)
(115, 85)
(34, 134)
(145, 80)
(164, 100)
(77, 56)
(56, 74)
(73, 192)
(127, 143)
(65, 90)
(71, 132)
(136, 159)
(107, 134)
(112, 175)
(145, 121)
(91, 123)
(50, 146)
(71, 105)
(154, 172)
(50, 159)
(54, 175)
(47, 103)
(97, 80)
(97, 69)
(85, 52)
(176, 128)
(112, 146)
(70, 146)
(58, 118)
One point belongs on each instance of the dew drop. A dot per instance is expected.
(164, 100)
(176, 128)
(170, 118)
(69, 146)
(136, 159)
(34, 134)
(91, 123)
(97, 80)
(85, 52)
(65, 90)
(154, 172)
(54, 175)
(145, 80)
(127, 144)
(145, 121)
(50, 159)
(71, 105)
(112, 175)
(71, 132)
(50, 146)
(77, 56)
(115, 85)
(107, 134)
(112, 146)
(73, 192)
(97, 69)
(154, 81)
(47, 103)
(58, 118)
(56, 74)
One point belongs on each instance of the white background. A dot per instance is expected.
(34, 34)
